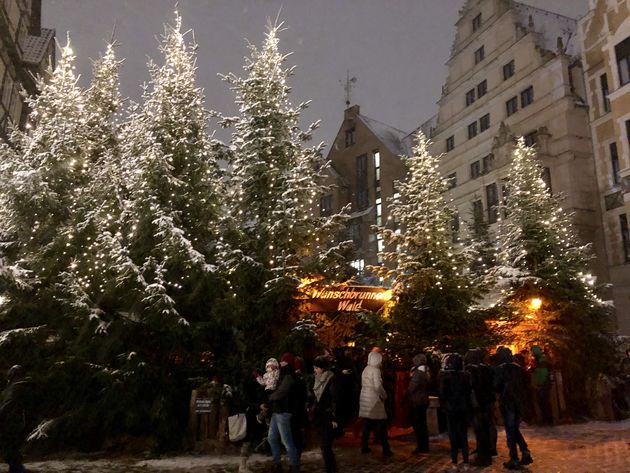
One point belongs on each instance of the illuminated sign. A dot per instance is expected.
(345, 298)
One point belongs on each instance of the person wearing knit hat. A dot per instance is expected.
(287, 359)
(326, 391)
(282, 400)
(419, 395)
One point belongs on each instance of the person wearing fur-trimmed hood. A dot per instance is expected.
(372, 406)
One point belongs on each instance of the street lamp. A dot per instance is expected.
(535, 303)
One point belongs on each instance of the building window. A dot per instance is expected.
(614, 162)
(470, 97)
(362, 166)
(355, 233)
(527, 96)
(349, 137)
(628, 131)
(603, 80)
(362, 199)
(479, 55)
(379, 211)
(486, 163)
(325, 204)
(450, 143)
(511, 106)
(451, 180)
(476, 22)
(546, 176)
(531, 138)
(455, 228)
(7, 91)
(475, 170)
(362, 185)
(508, 70)
(484, 122)
(472, 130)
(482, 88)
(492, 199)
(625, 236)
(477, 212)
(377, 168)
(622, 52)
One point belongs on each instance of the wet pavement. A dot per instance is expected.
(593, 447)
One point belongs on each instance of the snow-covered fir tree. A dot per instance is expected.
(276, 180)
(44, 172)
(542, 258)
(171, 221)
(428, 272)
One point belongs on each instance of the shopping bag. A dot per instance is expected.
(237, 427)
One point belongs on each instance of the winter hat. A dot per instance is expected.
(419, 360)
(272, 363)
(287, 359)
(321, 362)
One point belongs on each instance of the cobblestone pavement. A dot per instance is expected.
(585, 448)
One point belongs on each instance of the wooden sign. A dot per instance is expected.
(203, 406)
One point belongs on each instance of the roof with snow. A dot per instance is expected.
(427, 128)
(550, 26)
(36, 46)
(388, 135)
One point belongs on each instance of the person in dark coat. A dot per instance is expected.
(349, 384)
(509, 383)
(419, 396)
(455, 391)
(481, 379)
(280, 427)
(325, 407)
(13, 425)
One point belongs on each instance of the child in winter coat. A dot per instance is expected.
(272, 374)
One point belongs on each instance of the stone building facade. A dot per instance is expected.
(365, 164)
(605, 37)
(26, 51)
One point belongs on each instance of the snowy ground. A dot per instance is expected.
(592, 447)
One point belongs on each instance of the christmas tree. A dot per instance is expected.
(274, 187)
(543, 273)
(427, 270)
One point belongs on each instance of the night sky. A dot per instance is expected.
(395, 48)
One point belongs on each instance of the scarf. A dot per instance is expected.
(320, 383)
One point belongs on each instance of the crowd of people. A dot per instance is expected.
(285, 399)
(478, 390)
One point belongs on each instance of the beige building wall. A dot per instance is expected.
(548, 106)
(26, 50)
(602, 33)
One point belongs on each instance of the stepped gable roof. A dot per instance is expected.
(550, 27)
(36, 46)
(388, 135)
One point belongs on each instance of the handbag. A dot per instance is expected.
(237, 427)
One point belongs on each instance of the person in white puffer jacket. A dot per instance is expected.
(371, 405)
